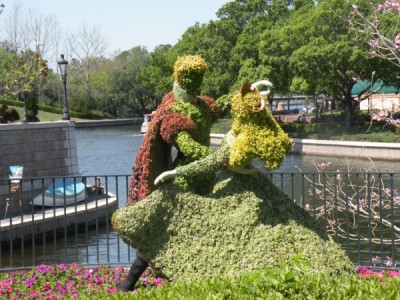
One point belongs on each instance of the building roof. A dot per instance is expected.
(378, 87)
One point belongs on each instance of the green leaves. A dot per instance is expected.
(236, 229)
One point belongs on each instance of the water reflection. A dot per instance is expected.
(107, 150)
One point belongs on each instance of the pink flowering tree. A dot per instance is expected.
(386, 117)
(379, 25)
(351, 202)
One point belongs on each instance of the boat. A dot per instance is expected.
(146, 122)
(61, 192)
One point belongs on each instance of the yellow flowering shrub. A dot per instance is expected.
(189, 71)
(257, 134)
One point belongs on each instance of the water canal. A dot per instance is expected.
(112, 151)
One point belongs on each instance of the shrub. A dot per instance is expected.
(286, 282)
(246, 223)
(10, 115)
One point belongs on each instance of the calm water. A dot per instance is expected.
(107, 150)
(112, 151)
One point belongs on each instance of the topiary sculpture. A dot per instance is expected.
(245, 223)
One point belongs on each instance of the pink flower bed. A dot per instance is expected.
(55, 281)
(73, 281)
(381, 274)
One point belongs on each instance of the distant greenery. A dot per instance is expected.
(44, 116)
(303, 47)
(221, 126)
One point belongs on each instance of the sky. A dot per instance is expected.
(127, 23)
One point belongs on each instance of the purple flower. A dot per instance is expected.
(42, 269)
(144, 282)
(157, 281)
(30, 281)
(373, 43)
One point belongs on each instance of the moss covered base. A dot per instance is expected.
(246, 223)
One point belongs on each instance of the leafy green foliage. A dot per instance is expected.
(362, 131)
(285, 282)
(245, 224)
(156, 75)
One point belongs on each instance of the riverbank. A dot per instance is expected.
(111, 122)
(349, 149)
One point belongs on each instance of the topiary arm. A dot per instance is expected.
(217, 160)
(190, 148)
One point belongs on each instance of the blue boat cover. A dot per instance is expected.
(67, 186)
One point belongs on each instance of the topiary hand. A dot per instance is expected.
(167, 175)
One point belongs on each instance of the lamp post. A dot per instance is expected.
(25, 109)
(63, 63)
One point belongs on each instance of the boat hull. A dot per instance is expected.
(61, 193)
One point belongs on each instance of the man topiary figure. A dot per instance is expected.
(183, 120)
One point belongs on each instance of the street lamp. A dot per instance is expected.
(63, 63)
(24, 120)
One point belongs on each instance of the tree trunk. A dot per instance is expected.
(348, 111)
(348, 107)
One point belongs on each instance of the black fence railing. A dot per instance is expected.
(360, 210)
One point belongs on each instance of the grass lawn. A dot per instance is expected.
(42, 115)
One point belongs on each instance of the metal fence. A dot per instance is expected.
(360, 210)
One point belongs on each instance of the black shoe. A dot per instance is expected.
(138, 266)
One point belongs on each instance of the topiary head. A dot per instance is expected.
(189, 71)
(257, 134)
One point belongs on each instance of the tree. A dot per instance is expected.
(156, 76)
(18, 75)
(87, 47)
(126, 86)
(213, 41)
(29, 31)
(87, 51)
(379, 26)
(315, 50)
(19, 72)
